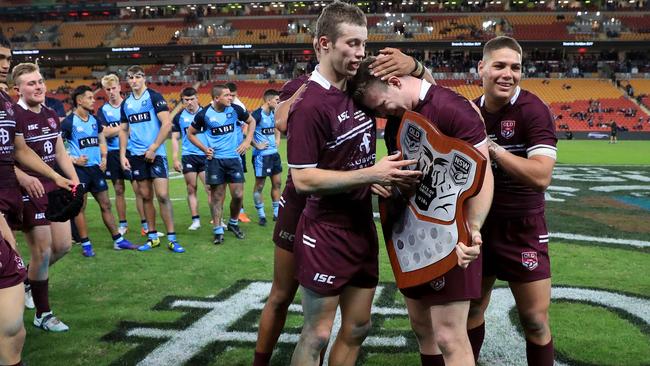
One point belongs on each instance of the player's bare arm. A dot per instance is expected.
(534, 171)
(477, 209)
(250, 122)
(103, 150)
(388, 171)
(282, 111)
(191, 134)
(124, 138)
(28, 158)
(392, 62)
(111, 131)
(176, 136)
(64, 162)
(165, 129)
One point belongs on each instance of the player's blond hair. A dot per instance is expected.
(110, 79)
(22, 69)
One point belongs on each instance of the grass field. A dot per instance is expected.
(124, 307)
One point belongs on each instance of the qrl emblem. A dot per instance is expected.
(52, 122)
(507, 129)
(413, 139)
(529, 260)
(9, 108)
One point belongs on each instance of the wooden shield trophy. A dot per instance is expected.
(421, 233)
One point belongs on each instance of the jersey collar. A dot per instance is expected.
(320, 79)
(513, 100)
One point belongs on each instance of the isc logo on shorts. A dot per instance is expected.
(323, 278)
(39, 216)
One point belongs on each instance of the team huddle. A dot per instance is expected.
(326, 242)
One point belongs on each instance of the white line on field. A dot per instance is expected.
(578, 237)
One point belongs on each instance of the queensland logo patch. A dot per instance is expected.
(507, 128)
(529, 260)
(52, 122)
(438, 284)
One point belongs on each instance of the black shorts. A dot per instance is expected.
(220, 171)
(114, 167)
(193, 163)
(141, 170)
(92, 178)
(243, 162)
(267, 165)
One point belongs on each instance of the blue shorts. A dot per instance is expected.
(141, 170)
(267, 165)
(114, 167)
(193, 163)
(220, 171)
(243, 162)
(92, 178)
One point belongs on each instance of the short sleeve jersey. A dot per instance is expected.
(82, 137)
(180, 124)
(525, 128)
(40, 131)
(333, 134)
(291, 87)
(264, 131)
(451, 113)
(221, 129)
(142, 116)
(7, 135)
(240, 123)
(109, 116)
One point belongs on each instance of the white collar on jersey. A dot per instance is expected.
(319, 78)
(424, 89)
(512, 100)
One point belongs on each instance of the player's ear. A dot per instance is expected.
(394, 81)
(323, 43)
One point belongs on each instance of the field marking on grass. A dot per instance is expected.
(619, 188)
(579, 237)
(504, 344)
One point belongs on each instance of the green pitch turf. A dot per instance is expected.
(104, 298)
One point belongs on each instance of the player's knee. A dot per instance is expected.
(119, 189)
(105, 205)
(280, 300)
(60, 248)
(163, 199)
(191, 189)
(534, 323)
(357, 331)
(14, 330)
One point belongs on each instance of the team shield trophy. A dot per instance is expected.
(421, 228)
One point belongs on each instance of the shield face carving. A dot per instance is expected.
(422, 230)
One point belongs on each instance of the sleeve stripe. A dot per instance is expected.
(544, 151)
(541, 146)
(302, 166)
(481, 143)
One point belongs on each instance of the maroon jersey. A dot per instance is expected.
(333, 134)
(40, 131)
(290, 87)
(525, 128)
(7, 134)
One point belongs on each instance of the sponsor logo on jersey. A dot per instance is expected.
(139, 117)
(4, 136)
(88, 142)
(268, 131)
(529, 260)
(507, 128)
(222, 130)
(32, 127)
(343, 116)
(48, 147)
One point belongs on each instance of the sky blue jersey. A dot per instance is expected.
(181, 122)
(109, 116)
(144, 125)
(221, 129)
(264, 131)
(82, 137)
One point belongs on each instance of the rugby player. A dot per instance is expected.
(522, 147)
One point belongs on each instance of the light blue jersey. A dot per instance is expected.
(142, 116)
(82, 137)
(221, 129)
(180, 124)
(264, 131)
(109, 116)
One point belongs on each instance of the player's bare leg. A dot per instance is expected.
(276, 191)
(161, 187)
(61, 240)
(6, 232)
(319, 312)
(192, 201)
(217, 196)
(12, 330)
(258, 199)
(201, 176)
(107, 215)
(422, 325)
(145, 191)
(450, 324)
(237, 199)
(139, 205)
(120, 201)
(533, 300)
(283, 290)
(355, 325)
(476, 318)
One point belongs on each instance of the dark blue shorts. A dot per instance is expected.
(267, 165)
(92, 178)
(193, 163)
(220, 171)
(243, 162)
(141, 170)
(114, 167)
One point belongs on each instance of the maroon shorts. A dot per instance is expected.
(516, 249)
(11, 205)
(12, 268)
(329, 258)
(291, 206)
(34, 208)
(456, 285)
